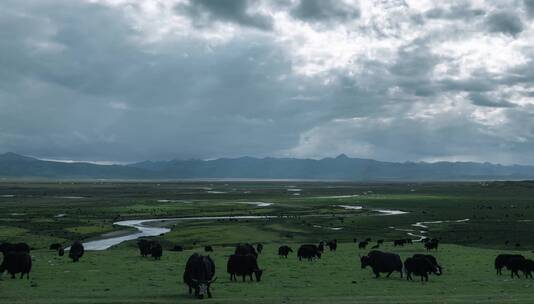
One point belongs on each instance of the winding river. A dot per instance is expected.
(144, 229)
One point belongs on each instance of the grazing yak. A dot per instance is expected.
(283, 251)
(332, 245)
(503, 260)
(59, 248)
(144, 247)
(244, 249)
(308, 251)
(363, 245)
(432, 260)
(4, 247)
(198, 275)
(519, 263)
(177, 248)
(18, 247)
(321, 246)
(22, 247)
(156, 251)
(527, 268)
(208, 248)
(259, 248)
(17, 259)
(17, 262)
(55, 246)
(421, 265)
(399, 242)
(382, 262)
(76, 251)
(150, 247)
(243, 265)
(431, 244)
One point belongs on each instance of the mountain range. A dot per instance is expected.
(340, 168)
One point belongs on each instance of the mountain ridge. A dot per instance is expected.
(342, 167)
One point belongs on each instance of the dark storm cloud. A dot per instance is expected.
(136, 80)
(463, 11)
(506, 22)
(205, 12)
(529, 5)
(95, 93)
(325, 11)
(485, 101)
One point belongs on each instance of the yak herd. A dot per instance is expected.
(199, 271)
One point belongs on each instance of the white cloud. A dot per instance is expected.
(127, 80)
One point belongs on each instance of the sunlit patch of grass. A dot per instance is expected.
(10, 232)
(90, 229)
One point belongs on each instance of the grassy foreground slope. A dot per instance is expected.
(120, 275)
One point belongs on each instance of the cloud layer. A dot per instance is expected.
(128, 80)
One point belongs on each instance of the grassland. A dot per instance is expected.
(501, 215)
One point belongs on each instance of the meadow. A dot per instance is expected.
(474, 221)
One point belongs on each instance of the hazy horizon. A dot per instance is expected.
(245, 156)
(122, 81)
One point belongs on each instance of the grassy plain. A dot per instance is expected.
(501, 215)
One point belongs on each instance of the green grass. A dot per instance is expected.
(122, 276)
(498, 212)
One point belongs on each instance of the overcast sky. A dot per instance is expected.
(130, 80)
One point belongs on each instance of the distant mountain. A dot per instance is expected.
(339, 168)
(18, 166)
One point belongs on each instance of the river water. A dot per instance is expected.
(144, 230)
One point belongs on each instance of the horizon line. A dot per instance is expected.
(342, 155)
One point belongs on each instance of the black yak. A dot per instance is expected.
(244, 249)
(432, 260)
(399, 242)
(321, 246)
(156, 251)
(177, 248)
(421, 265)
(243, 265)
(517, 263)
(144, 247)
(76, 251)
(283, 251)
(502, 260)
(527, 268)
(308, 251)
(382, 262)
(432, 244)
(55, 246)
(332, 245)
(17, 262)
(198, 275)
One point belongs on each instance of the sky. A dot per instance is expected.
(131, 80)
